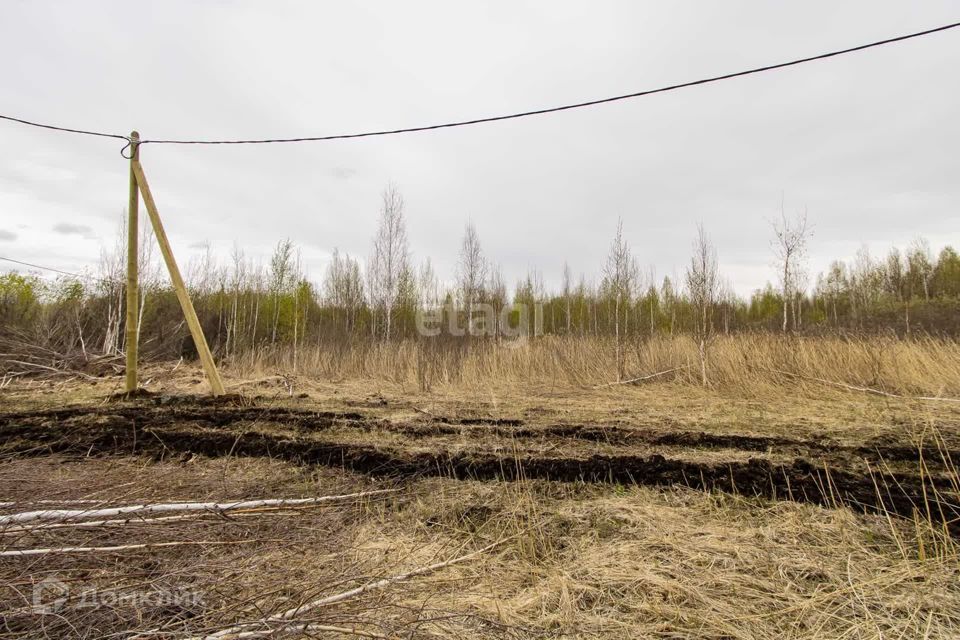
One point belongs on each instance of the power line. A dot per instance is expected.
(78, 276)
(40, 266)
(512, 116)
(578, 105)
(67, 129)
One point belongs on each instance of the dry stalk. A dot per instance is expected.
(641, 378)
(307, 629)
(851, 387)
(351, 593)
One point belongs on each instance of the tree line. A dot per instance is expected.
(245, 304)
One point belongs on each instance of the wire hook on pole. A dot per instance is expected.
(129, 145)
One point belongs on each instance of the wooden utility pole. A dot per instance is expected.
(133, 287)
(206, 358)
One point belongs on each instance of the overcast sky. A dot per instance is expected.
(866, 143)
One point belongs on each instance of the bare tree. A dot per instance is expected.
(620, 275)
(428, 286)
(202, 270)
(391, 255)
(567, 291)
(237, 281)
(407, 301)
(801, 282)
(703, 285)
(471, 272)
(833, 286)
(727, 299)
(920, 266)
(866, 283)
(301, 295)
(149, 272)
(110, 284)
(343, 288)
(257, 279)
(790, 246)
(669, 297)
(497, 295)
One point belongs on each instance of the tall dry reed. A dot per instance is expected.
(922, 366)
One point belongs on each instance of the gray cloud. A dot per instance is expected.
(68, 229)
(7, 236)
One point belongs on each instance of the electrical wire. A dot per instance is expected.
(511, 116)
(568, 107)
(66, 129)
(40, 266)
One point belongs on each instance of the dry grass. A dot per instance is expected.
(579, 561)
(744, 363)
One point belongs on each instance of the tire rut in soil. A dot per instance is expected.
(310, 421)
(159, 432)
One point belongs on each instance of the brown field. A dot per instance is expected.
(781, 507)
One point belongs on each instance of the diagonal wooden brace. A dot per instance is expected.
(206, 358)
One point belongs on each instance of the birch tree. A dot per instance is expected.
(497, 295)
(428, 286)
(567, 292)
(149, 272)
(620, 274)
(238, 276)
(920, 267)
(111, 285)
(389, 259)
(703, 287)
(282, 276)
(343, 288)
(789, 246)
(472, 271)
(835, 284)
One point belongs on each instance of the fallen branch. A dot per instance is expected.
(69, 514)
(641, 378)
(125, 521)
(44, 367)
(121, 547)
(8, 505)
(344, 595)
(851, 387)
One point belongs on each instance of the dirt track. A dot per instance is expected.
(821, 471)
